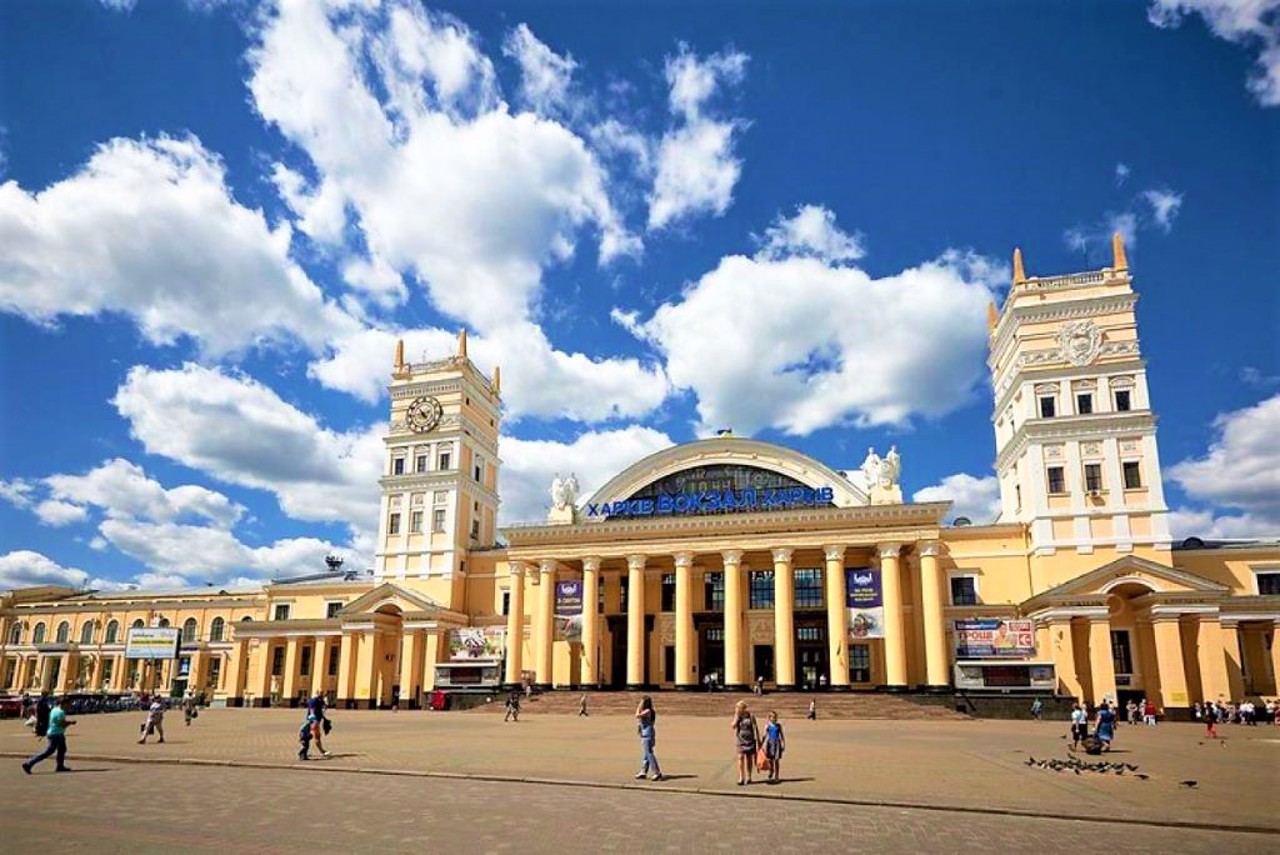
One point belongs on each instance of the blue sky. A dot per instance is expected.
(659, 219)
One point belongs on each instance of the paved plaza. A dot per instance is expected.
(470, 782)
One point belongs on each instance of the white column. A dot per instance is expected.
(837, 616)
(546, 622)
(515, 625)
(784, 624)
(636, 676)
(590, 670)
(734, 620)
(684, 620)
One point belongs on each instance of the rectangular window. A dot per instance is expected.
(760, 583)
(622, 592)
(506, 603)
(668, 592)
(1047, 407)
(714, 592)
(809, 633)
(762, 661)
(808, 589)
(335, 659)
(304, 661)
(1093, 477)
(1121, 654)
(1268, 584)
(331, 610)
(859, 663)
(1132, 474)
(393, 524)
(108, 665)
(446, 460)
(600, 597)
(415, 522)
(669, 664)
(420, 463)
(1084, 403)
(397, 466)
(440, 497)
(282, 612)
(214, 678)
(277, 662)
(475, 529)
(964, 591)
(437, 520)
(1057, 480)
(1123, 401)
(476, 474)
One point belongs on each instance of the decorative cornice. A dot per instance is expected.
(1065, 428)
(1066, 310)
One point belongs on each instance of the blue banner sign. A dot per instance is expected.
(714, 501)
(864, 599)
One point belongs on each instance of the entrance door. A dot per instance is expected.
(811, 656)
(711, 654)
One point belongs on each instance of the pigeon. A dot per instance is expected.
(1142, 777)
(1189, 784)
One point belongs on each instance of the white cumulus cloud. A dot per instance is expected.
(972, 497)
(1254, 24)
(811, 232)
(545, 75)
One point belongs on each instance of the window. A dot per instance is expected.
(809, 633)
(304, 661)
(808, 589)
(137, 624)
(64, 633)
(669, 664)
(277, 662)
(113, 632)
(475, 529)
(760, 589)
(217, 629)
(331, 610)
(1084, 403)
(1017, 496)
(214, 678)
(420, 463)
(1047, 407)
(1057, 480)
(506, 603)
(1268, 583)
(446, 460)
(714, 591)
(476, 473)
(335, 656)
(859, 663)
(622, 592)
(600, 597)
(190, 629)
(15, 634)
(415, 522)
(1121, 654)
(440, 497)
(964, 591)
(1123, 401)
(668, 593)
(107, 671)
(282, 611)
(393, 524)
(397, 466)
(437, 520)
(86, 633)
(1093, 477)
(164, 623)
(1132, 474)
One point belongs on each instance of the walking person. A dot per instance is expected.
(1037, 709)
(646, 717)
(154, 722)
(582, 706)
(320, 724)
(1105, 725)
(775, 742)
(746, 739)
(1211, 720)
(1079, 726)
(188, 708)
(55, 739)
(513, 707)
(812, 714)
(304, 739)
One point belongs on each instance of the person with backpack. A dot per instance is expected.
(55, 739)
(1105, 725)
(746, 739)
(320, 724)
(775, 742)
(646, 717)
(154, 722)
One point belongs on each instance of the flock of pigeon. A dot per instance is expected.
(1101, 767)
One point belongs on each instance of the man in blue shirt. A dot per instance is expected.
(56, 739)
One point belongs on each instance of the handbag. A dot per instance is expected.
(328, 726)
(762, 760)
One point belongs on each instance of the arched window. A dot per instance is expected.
(164, 622)
(190, 629)
(15, 634)
(64, 633)
(86, 633)
(138, 624)
(38, 636)
(216, 629)
(113, 632)
(245, 618)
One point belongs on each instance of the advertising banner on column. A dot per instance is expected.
(865, 602)
(569, 611)
(477, 642)
(152, 643)
(995, 639)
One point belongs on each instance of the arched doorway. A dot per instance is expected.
(389, 632)
(1133, 642)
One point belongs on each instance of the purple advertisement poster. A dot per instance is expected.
(865, 602)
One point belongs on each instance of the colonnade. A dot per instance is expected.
(543, 574)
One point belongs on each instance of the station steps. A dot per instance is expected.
(789, 705)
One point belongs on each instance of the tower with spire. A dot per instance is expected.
(440, 476)
(1076, 451)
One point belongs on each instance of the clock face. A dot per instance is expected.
(423, 414)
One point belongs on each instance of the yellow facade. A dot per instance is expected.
(1081, 551)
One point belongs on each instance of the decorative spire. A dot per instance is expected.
(399, 355)
(1019, 275)
(462, 343)
(497, 379)
(993, 316)
(1119, 262)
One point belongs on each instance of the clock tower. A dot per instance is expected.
(440, 477)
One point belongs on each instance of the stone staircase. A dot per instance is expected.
(790, 705)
